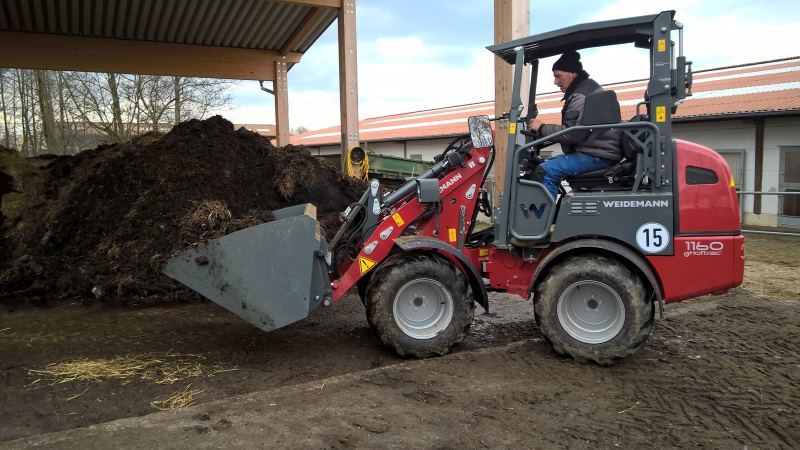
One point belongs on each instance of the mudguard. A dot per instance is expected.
(610, 247)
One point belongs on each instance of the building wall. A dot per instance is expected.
(740, 135)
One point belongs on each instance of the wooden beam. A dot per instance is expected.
(58, 52)
(281, 87)
(348, 78)
(758, 181)
(311, 20)
(511, 21)
(324, 3)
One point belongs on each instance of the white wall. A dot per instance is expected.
(740, 135)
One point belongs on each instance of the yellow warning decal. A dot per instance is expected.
(661, 113)
(662, 45)
(512, 128)
(452, 234)
(365, 264)
(483, 252)
(398, 219)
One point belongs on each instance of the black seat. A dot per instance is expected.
(620, 176)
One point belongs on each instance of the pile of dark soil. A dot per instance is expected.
(110, 217)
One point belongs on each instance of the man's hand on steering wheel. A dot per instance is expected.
(534, 124)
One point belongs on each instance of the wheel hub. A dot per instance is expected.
(591, 312)
(423, 308)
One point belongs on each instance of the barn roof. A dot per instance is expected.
(759, 88)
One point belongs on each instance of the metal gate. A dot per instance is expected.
(789, 205)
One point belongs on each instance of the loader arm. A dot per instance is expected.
(402, 213)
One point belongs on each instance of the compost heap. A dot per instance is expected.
(109, 218)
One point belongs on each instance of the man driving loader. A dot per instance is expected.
(584, 151)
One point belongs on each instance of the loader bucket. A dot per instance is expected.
(270, 275)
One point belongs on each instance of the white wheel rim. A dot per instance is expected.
(591, 312)
(423, 308)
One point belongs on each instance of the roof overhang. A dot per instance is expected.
(236, 39)
(734, 116)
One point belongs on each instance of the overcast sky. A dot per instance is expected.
(415, 54)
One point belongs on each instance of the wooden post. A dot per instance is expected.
(281, 88)
(759, 172)
(348, 78)
(511, 21)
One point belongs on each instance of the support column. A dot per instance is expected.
(348, 77)
(511, 21)
(759, 166)
(281, 87)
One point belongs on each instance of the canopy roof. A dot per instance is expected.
(212, 38)
(577, 37)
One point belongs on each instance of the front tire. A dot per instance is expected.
(419, 305)
(593, 308)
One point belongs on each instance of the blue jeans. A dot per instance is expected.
(562, 166)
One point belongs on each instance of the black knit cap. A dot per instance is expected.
(569, 62)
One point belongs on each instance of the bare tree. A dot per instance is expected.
(6, 130)
(70, 110)
(51, 132)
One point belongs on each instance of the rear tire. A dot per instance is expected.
(593, 308)
(419, 305)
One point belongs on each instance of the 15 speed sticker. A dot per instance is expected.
(652, 237)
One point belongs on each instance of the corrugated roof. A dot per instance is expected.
(251, 24)
(761, 87)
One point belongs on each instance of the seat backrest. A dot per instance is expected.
(601, 108)
(633, 140)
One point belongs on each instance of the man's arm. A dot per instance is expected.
(572, 117)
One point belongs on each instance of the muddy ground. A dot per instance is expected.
(719, 371)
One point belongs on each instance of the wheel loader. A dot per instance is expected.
(598, 262)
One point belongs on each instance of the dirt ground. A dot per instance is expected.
(719, 371)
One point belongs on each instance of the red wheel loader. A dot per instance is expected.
(599, 262)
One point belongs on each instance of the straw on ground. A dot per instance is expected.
(150, 368)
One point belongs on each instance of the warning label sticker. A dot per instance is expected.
(452, 234)
(398, 220)
(365, 264)
(661, 113)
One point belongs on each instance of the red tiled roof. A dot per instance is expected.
(770, 86)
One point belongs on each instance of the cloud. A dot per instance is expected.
(722, 33)
(412, 71)
(395, 75)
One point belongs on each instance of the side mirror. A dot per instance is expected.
(480, 131)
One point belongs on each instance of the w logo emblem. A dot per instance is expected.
(537, 211)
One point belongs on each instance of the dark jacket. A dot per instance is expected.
(603, 143)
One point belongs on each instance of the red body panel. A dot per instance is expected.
(701, 265)
(510, 273)
(454, 188)
(703, 262)
(706, 207)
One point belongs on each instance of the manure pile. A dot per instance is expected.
(108, 219)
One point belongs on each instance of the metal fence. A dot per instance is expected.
(754, 193)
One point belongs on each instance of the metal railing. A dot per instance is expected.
(754, 193)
